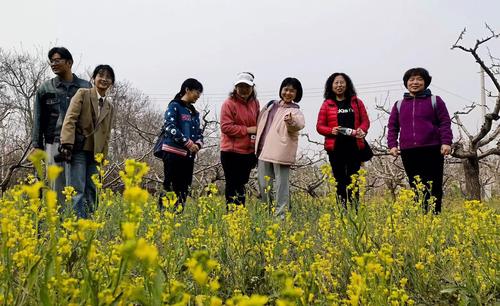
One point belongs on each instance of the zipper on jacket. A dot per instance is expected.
(413, 122)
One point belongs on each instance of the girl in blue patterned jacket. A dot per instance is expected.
(183, 139)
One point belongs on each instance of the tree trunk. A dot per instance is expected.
(472, 184)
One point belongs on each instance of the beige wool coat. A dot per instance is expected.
(82, 117)
(282, 139)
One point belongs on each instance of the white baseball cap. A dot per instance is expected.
(244, 77)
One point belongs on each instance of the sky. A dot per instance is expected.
(155, 45)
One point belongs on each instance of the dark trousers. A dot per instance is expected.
(345, 162)
(237, 168)
(178, 171)
(428, 163)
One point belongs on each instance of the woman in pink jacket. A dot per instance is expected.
(238, 120)
(278, 129)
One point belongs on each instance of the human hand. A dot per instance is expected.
(251, 129)
(289, 118)
(65, 152)
(335, 130)
(66, 149)
(445, 149)
(394, 152)
(192, 147)
(360, 133)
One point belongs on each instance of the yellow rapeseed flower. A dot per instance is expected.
(135, 194)
(99, 157)
(128, 230)
(419, 266)
(51, 199)
(215, 301)
(200, 276)
(69, 192)
(53, 172)
(146, 252)
(33, 191)
(37, 157)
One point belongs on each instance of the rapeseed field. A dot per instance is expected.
(132, 253)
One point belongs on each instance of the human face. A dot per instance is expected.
(339, 86)
(244, 90)
(103, 80)
(59, 65)
(191, 95)
(288, 94)
(415, 84)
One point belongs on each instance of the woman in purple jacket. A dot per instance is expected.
(423, 125)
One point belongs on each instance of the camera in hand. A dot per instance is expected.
(347, 131)
(64, 154)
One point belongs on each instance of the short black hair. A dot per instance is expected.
(189, 84)
(295, 84)
(350, 91)
(418, 71)
(103, 68)
(63, 52)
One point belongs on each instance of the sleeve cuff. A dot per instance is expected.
(189, 144)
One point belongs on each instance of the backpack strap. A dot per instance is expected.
(269, 104)
(433, 101)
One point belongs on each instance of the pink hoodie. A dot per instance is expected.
(235, 116)
(282, 139)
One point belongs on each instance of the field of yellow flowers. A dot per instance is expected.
(130, 253)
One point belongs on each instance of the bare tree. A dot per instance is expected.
(21, 73)
(472, 148)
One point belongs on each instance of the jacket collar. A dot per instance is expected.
(186, 105)
(58, 82)
(333, 102)
(238, 99)
(105, 109)
(424, 94)
(288, 105)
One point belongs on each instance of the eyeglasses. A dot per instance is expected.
(56, 61)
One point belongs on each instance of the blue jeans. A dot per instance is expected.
(83, 166)
(63, 178)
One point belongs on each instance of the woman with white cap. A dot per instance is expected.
(238, 126)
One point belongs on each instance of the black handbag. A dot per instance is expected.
(158, 147)
(366, 153)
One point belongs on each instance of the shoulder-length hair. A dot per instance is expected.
(350, 91)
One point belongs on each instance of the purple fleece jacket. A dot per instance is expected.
(418, 124)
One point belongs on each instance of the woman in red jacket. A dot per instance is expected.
(344, 122)
(238, 120)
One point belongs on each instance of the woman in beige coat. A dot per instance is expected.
(85, 132)
(277, 138)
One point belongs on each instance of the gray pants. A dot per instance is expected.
(63, 178)
(278, 175)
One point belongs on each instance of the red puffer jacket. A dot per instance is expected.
(327, 120)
